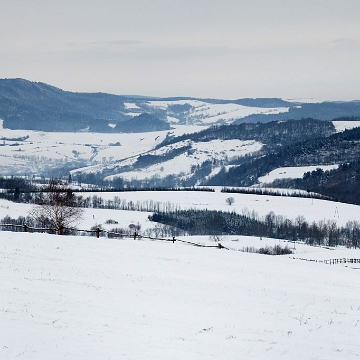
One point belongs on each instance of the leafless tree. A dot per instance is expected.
(57, 207)
(230, 200)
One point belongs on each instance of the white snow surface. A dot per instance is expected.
(182, 164)
(289, 207)
(206, 113)
(292, 172)
(128, 105)
(38, 150)
(67, 297)
(345, 125)
(85, 298)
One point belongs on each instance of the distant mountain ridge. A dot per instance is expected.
(39, 106)
(319, 111)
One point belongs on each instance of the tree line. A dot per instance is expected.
(276, 191)
(272, 133)
(210, 222)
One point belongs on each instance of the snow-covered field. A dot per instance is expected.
(67, 297)
(289, 207)
(85, 298)
(345, 125)
(293, 172)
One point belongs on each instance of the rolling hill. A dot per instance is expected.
(39, 106)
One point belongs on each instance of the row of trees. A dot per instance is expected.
(97, 202)
(205, 222)
(277, 191)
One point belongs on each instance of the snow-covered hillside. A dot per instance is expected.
(79, 297)
(25, 151)
(345, 125)
(206, 113)
(85, 298)
(182, 165)
(292, 172)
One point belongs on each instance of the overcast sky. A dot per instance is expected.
(221, 49)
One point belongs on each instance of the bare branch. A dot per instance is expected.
(57, 207)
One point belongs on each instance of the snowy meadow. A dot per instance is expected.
(79, 297)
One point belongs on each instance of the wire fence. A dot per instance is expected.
(342, 261)
(135, 236)
(110, 234)
(332, 261)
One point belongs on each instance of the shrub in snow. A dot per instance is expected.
(110, 221)
(276, 250)
(216, 238)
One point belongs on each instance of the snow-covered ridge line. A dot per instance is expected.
(202, 112)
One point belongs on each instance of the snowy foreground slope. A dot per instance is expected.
(87, 298)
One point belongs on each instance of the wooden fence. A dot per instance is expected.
(111, 234)
(136, 236)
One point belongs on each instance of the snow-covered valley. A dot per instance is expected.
(24, 152)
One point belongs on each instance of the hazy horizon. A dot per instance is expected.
(247, 49)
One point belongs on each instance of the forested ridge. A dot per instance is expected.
(272, 134)
(340, 148)
(342, 184)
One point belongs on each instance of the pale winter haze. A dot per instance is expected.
(229, 49)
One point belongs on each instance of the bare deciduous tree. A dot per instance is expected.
(57, 207)
(230, 200)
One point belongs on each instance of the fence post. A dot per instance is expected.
(97, 231)
(135, 235)
(25, 227)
